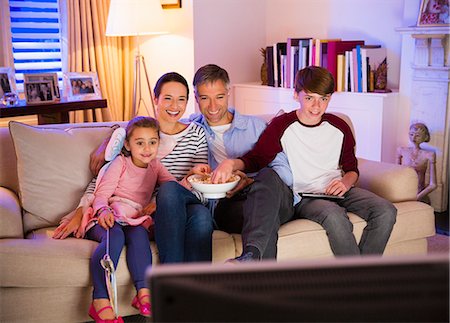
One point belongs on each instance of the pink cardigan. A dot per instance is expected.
(128, 186)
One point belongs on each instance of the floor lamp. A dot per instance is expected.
(137, 18)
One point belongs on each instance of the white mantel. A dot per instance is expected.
(424, 95)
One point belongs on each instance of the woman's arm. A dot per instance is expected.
(432, 183)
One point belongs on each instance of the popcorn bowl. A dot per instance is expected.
(212, 191)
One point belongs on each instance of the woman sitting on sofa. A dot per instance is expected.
(183, 225)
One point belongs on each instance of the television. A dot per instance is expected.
(347, 289)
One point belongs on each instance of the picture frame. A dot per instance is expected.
(38, 92)
(7, 80)
(171, 4)
(39, 77)
(433, 13)
(82, 86)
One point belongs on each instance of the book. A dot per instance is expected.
(294, 49)
(340, 73)
(320, 50)
(358, 67)
(377, 59)
(269, 66)
(365, 68)
(280, 51)
(335, 48)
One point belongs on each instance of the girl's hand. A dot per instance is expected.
(66, 229)
(106, 219)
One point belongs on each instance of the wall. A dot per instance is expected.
(173, 52)
(230, 34)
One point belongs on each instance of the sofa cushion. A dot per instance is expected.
(11, 215)
(53, 169)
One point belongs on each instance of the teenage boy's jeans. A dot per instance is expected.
(379, 214)
(183, 225)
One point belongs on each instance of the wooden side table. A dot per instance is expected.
(54, 112)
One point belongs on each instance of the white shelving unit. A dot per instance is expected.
(375, 116)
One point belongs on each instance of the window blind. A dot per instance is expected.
(35, 31)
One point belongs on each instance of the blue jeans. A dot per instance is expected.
(139, 255)
(379, 214)
(183, 225)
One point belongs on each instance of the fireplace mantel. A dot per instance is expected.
(424, 92)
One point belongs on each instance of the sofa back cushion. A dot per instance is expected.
(53, 169)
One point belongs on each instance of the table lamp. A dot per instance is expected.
(136, 18)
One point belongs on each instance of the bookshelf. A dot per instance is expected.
(375, 116)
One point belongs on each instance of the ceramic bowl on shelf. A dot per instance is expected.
(212, 191)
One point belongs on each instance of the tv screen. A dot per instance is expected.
(357, 289)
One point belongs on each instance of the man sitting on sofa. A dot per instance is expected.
(321, 152)
(262, 201)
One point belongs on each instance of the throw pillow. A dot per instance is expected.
(53, 169)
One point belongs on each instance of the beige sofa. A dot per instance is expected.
(42, 176)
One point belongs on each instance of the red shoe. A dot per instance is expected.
(145, 309)
(95, 315)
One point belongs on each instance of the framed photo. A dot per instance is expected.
(37, 92)
(433, 13)
(171, 4)
(39, 77)
(7, 80)
(82, 86)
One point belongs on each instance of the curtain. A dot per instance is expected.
(6, 58)
(89, 50)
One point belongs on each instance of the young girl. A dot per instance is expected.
(123, 190)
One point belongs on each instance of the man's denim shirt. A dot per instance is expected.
(240, 138)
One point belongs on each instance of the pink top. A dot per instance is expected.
(126, 183)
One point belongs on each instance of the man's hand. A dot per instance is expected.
(97, 157)
(225, 169)
(243, 183)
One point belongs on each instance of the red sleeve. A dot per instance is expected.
(348, 160)
(268, 144)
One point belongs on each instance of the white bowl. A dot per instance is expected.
(212, 191)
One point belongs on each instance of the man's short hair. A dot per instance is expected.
(314, 79)
(209, 74)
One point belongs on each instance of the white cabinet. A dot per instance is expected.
(375, 116)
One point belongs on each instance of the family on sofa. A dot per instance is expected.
(306, 150)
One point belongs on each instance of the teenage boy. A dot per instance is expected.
(258, 209)
(320, 149)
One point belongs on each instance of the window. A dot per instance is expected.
(36, 41)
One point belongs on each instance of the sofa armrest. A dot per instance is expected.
(395, 183)
(11, 225)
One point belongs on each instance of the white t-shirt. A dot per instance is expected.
(217, 145)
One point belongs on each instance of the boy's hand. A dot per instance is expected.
(106, 219)
(336, 187)
(243, 183)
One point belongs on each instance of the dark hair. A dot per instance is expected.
(314, 79)
(423, 129)
(170, 77)
(209, 74)
(139, 122)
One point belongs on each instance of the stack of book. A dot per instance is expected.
(355, 66)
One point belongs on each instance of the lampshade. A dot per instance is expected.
(135, 17)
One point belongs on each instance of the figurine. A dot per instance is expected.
(419, 159)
